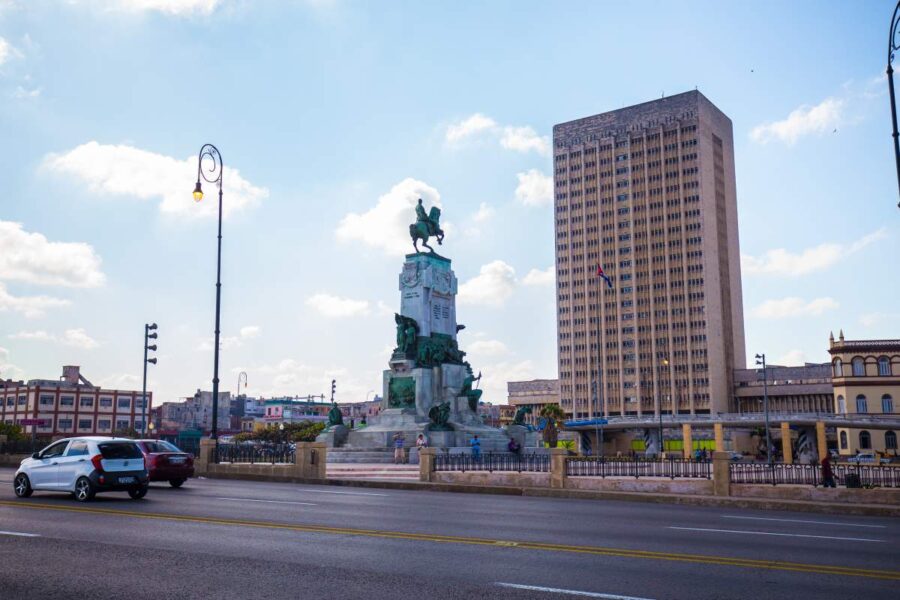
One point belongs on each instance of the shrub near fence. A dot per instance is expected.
(672, 468)
(778, 473)
(491, 461)
(255, 453)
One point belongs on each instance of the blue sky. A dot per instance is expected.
(332, 116)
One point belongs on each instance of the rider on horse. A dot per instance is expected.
(426, 225)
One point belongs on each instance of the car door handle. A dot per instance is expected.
(80, 460)
(54, 463)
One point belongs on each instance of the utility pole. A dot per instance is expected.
(761, 360)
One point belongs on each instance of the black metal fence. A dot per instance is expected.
(23, 446)
(845, 475)
(672, 468)
(493, 461)
(255, 453)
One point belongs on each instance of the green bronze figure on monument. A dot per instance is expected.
(474, 395)
(335, 416)
(427, 225)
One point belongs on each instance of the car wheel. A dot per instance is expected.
(176, 483)
(138, 493)
(22, 486)
(84, 489)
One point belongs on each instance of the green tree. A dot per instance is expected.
(554, 415)
(127, 432)
(12, 432)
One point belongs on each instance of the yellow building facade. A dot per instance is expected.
(866, 379)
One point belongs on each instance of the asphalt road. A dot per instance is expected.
(238, 539)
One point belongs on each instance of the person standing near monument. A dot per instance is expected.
(476, 447)
(399, 453)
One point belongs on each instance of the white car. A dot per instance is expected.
(83, 466)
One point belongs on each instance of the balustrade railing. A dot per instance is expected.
(672, 468)
(255, 453)
(845, 475)
(492, 461)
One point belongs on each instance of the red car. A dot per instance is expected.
(166, 462)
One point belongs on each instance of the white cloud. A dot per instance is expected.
(535, 188)
(250, 331)
(805, 120)
(386, 225)
(524, 139)
(469, 127)
(168, 7)
(512, 137)
(874, 319)
(493, 285)
(496, 376)
(541, 278)
(21, 93)
(231, 342)
(128, 171)
(819, 258)
(7, 369)
(30, 257)
(794, 307)
(483, 348)
(792, 358)
(124, 381)
(8, 51)
(485, 212)
(28, 306)
(336, 307)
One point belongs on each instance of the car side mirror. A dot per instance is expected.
(36, 455)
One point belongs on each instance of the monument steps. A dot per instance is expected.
(373, 472)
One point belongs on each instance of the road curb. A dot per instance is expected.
(870, 510)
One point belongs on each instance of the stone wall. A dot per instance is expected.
(309, 465)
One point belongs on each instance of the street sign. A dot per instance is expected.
(586, 423)
(38, 422)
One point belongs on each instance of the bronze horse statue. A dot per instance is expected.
(425, 228)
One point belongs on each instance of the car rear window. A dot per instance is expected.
(120, 450)
(161, 446)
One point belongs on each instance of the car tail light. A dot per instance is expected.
(97, 461)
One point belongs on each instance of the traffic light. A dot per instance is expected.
(333, 382)
(149, 334)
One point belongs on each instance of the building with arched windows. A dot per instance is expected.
(866, 380)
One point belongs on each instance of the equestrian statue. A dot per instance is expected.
(427, 225)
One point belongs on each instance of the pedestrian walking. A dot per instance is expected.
(476, 447)
(827, 473)
(399, 453)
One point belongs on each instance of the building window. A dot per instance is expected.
(46, 400)
(85, 423)
(105, 402)
(125, 403)
(843, 440)
(887, 404)
(842, 405)
(103, 424)
(861, 406)
(22, 400)
(86, 401)
(859, 367)
(64, 424)
(884, 366)
(890, 440)
(865, 440)
(838, 368)
(67, 400)
(123, 424)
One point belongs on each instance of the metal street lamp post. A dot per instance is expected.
(893, 46)
(761, 360)
(665, 363)
(147, 337)
(213, 175)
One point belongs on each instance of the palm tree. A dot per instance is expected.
(554, 415)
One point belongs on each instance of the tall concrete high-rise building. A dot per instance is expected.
(648, 192)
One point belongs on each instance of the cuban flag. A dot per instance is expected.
(604, 276)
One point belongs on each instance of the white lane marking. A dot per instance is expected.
(344, 493)
(804, 521)
(799, 535)
(537, 588)
(19, 534)
(268, 501)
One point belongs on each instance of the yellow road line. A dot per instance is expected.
(430, 537)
